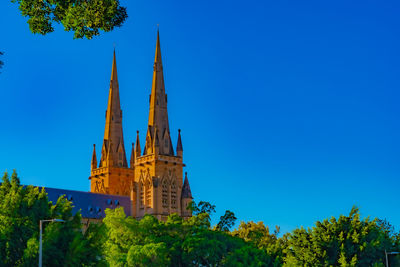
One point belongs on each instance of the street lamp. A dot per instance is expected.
(389, 253)
(40, 238)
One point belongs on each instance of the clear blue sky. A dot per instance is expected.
(289, 110)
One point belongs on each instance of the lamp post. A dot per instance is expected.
(389, 253)
(40, 237)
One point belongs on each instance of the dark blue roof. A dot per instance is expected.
(92, 205)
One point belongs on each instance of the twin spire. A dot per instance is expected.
(113, 150)
(158, 140)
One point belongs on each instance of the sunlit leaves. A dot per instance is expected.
(346, 241)
(176, 242)
(86, 18)
(21, 209)
(126, 241)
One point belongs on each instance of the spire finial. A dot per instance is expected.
(179, 147)
(132, 161)
(186, 192)
(94, 158)
(137, 150)
(114, 76)
(157, 58)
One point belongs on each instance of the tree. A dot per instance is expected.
(176, 242)
(153, 254)
(346, 241)
(260, 237)
(226, 221)
(64, 244)
(86, 18)
(202, 207)
(247, 255)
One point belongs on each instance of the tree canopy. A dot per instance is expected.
(176, 242)
(346, 241)
(86, 18)
(64, 244)
(125, 241)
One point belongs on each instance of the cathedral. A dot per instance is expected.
(153, 179)
(151, 182)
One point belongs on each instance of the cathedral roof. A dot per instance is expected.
(91, 205)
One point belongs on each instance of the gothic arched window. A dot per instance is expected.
(174, 195)
(148, 194)
(165, 189)
(141, 188)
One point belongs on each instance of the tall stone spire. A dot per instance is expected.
(158, 114)
(113, 130)
(113, 175)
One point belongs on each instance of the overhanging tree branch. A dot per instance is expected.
(86, 18)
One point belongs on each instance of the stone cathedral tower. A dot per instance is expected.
(154, 179)
(112, 175)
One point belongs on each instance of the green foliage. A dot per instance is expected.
(149, 255)
(176, 242)
(346, 241)
(226, 221)
(248, 256)
(20, 212)
(259, 236)
(64, 244)
(125, 241)
(202, 207)
(86, 18)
